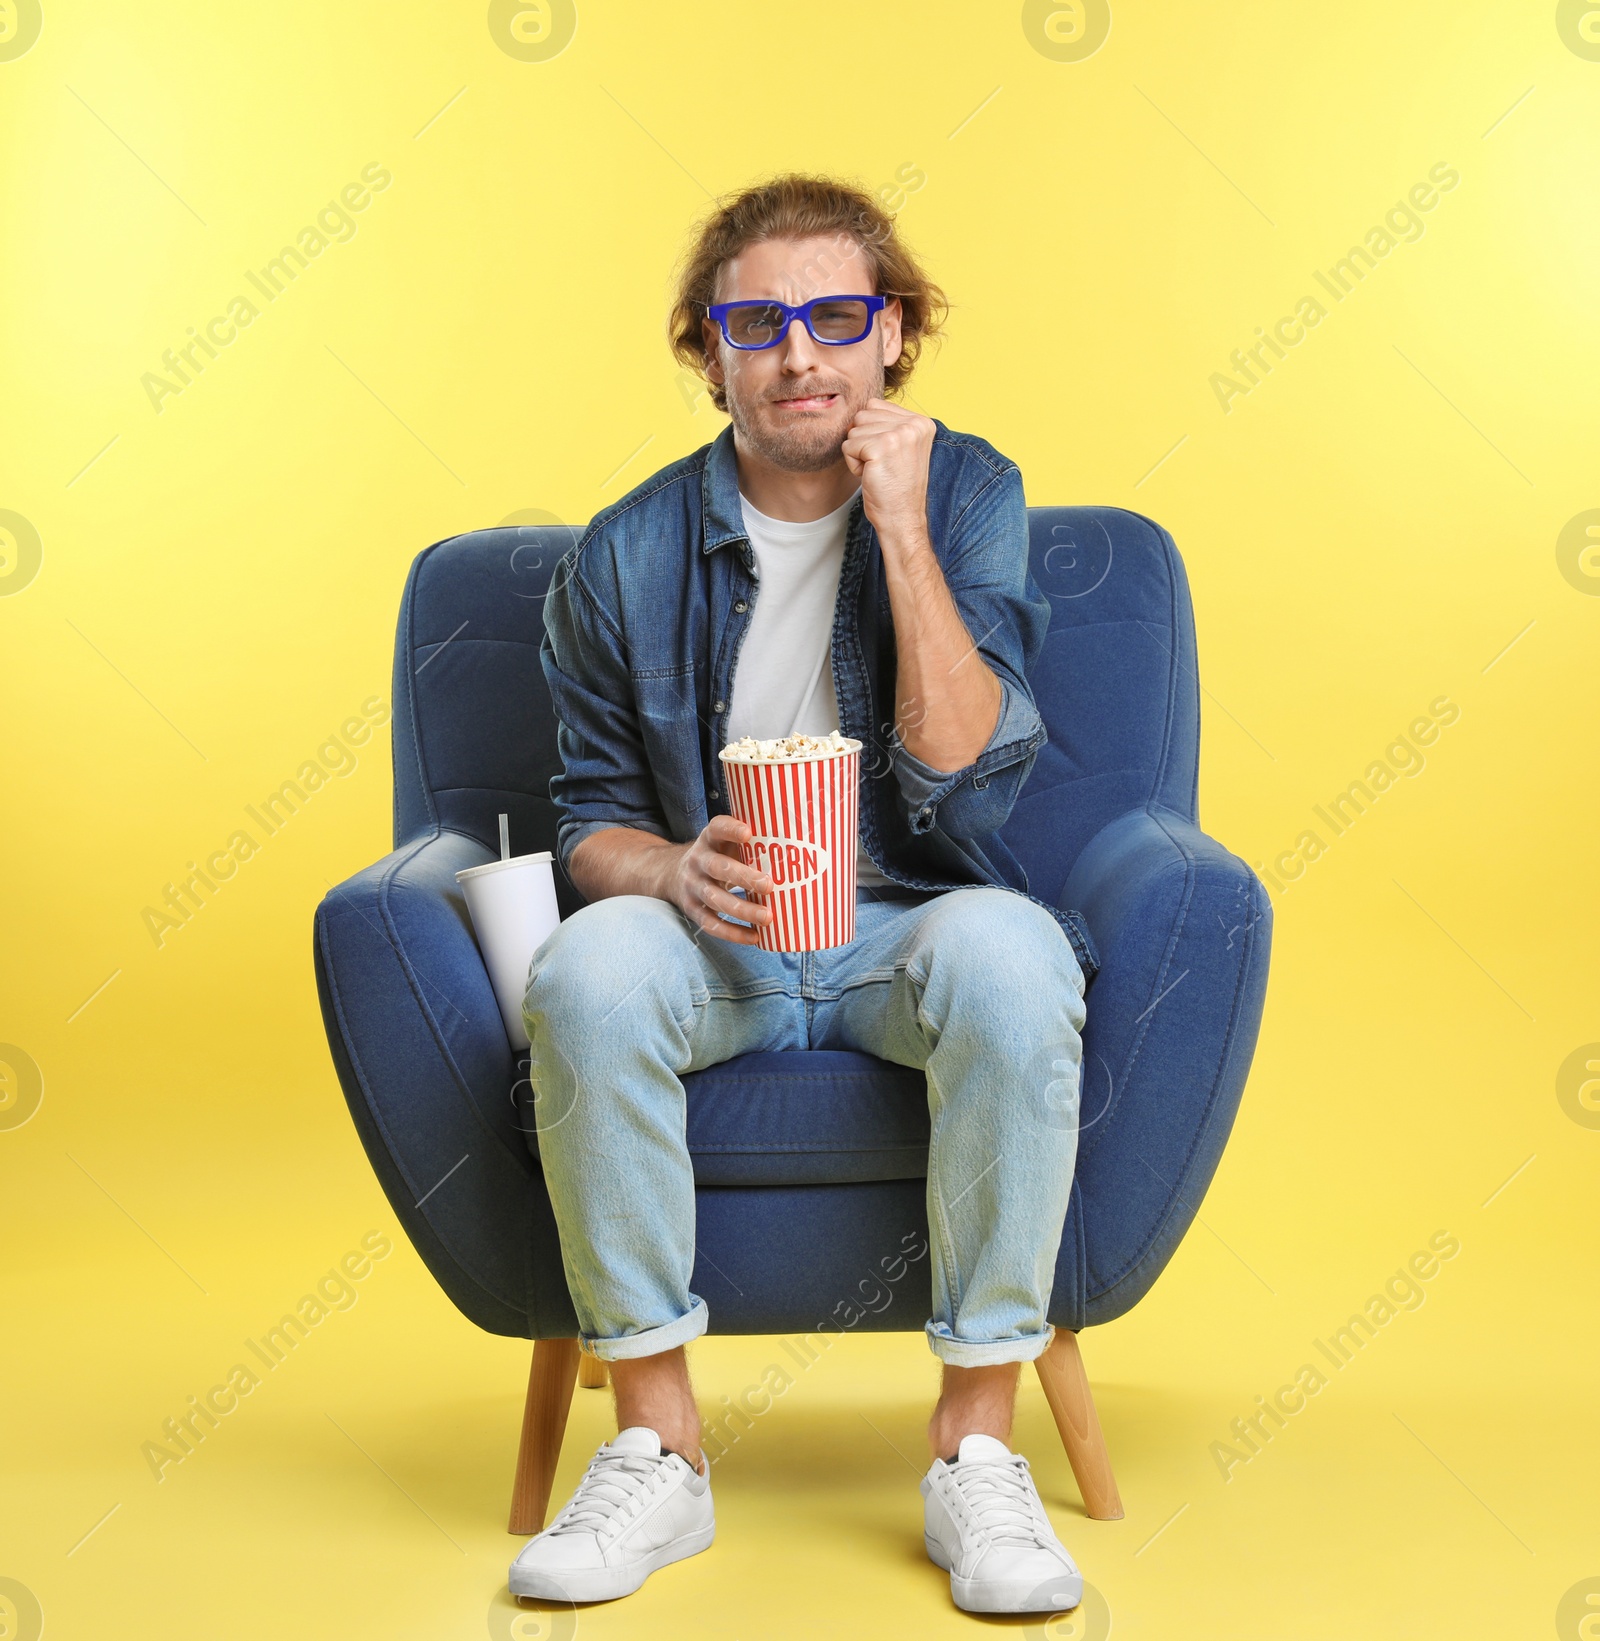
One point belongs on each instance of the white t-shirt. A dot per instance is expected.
(783, 678)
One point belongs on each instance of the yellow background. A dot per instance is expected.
(1369, 529)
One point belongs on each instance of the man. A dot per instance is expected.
(831, 560)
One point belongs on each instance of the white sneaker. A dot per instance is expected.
(983, 1523)
(635, 1510)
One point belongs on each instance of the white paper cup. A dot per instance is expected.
(514, 911)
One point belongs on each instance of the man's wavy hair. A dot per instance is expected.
(797, 206)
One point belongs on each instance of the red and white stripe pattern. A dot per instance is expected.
(803, 814)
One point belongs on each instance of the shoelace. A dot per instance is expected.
(1000, 1497)
(612, 1489)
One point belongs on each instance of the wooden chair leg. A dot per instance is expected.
(1066, 1388)
(592, 1374)
(544, 1423)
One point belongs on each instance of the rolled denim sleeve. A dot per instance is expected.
(985, 565)
(605, 777)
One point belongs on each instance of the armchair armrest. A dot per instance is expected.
(428, 1073)
(1184, 931)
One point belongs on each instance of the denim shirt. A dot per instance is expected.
(643, 624)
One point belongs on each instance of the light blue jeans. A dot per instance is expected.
(979, 988)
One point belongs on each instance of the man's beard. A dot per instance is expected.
(805, 446)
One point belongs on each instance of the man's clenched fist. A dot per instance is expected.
(889, 446)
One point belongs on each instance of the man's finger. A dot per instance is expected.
(747, 911)
(714, 923)
(732, 871)
(719, 928)
(734, 935)
(724, 833)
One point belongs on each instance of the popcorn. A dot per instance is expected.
(749, 750)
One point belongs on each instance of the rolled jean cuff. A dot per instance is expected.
(652, 1341)
(968, 1353)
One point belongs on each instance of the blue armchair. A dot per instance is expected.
(809, 1166)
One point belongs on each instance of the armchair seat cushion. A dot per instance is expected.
(802, 1117)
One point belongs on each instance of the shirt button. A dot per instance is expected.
(741, 606)
(721, 706)
(715, 793)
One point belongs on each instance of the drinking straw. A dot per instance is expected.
(505, 837)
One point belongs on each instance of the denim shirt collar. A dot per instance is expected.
(719, 494)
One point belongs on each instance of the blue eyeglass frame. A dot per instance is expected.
(720, 311)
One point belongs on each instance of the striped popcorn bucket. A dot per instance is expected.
(802, 812)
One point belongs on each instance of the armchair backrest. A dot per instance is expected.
(1116, 684)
